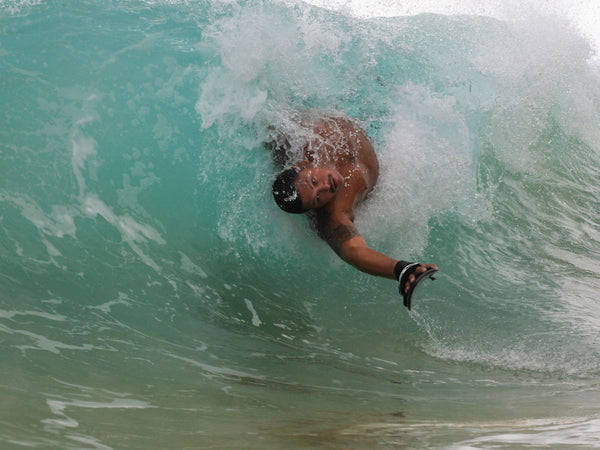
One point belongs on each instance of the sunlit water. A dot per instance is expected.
(153, 296)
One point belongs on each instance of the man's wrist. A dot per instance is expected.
(400, 267)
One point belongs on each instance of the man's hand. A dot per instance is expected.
(413, 276)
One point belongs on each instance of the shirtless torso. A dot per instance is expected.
(340, 144)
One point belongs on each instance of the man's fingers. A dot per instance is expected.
(411, 280)
(419, 270)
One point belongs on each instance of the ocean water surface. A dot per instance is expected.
(153, 296)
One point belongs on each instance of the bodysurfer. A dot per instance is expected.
(335, 169)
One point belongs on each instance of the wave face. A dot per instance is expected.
(152, 295)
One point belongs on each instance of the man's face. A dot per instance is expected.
(317, 186)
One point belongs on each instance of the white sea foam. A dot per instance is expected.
(132, 231)
(123, 299)
(83, 148)
(542, 433)
(17, 7)
(45, 343)
(212, 371)
(255, 319)
(42, 314)
(426, 168)
(584, 15)
(59, 223)
(63, 421)
(575, 432)
(190, 267)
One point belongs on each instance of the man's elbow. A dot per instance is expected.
(352, 255)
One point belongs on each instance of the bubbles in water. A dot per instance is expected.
(426, 168)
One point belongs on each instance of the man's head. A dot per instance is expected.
(306, 186)
(285, 193)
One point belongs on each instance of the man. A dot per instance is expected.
(337, 171)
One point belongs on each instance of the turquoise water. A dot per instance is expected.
(153, 296)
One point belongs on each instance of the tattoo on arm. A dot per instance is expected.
(342, 233)
(335, 236)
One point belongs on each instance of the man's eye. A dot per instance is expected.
(314, 181)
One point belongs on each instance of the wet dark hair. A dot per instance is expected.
(285, 193)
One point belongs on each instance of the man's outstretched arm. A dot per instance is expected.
(346, 241)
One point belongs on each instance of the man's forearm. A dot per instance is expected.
(370, 261)
(347, 242)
